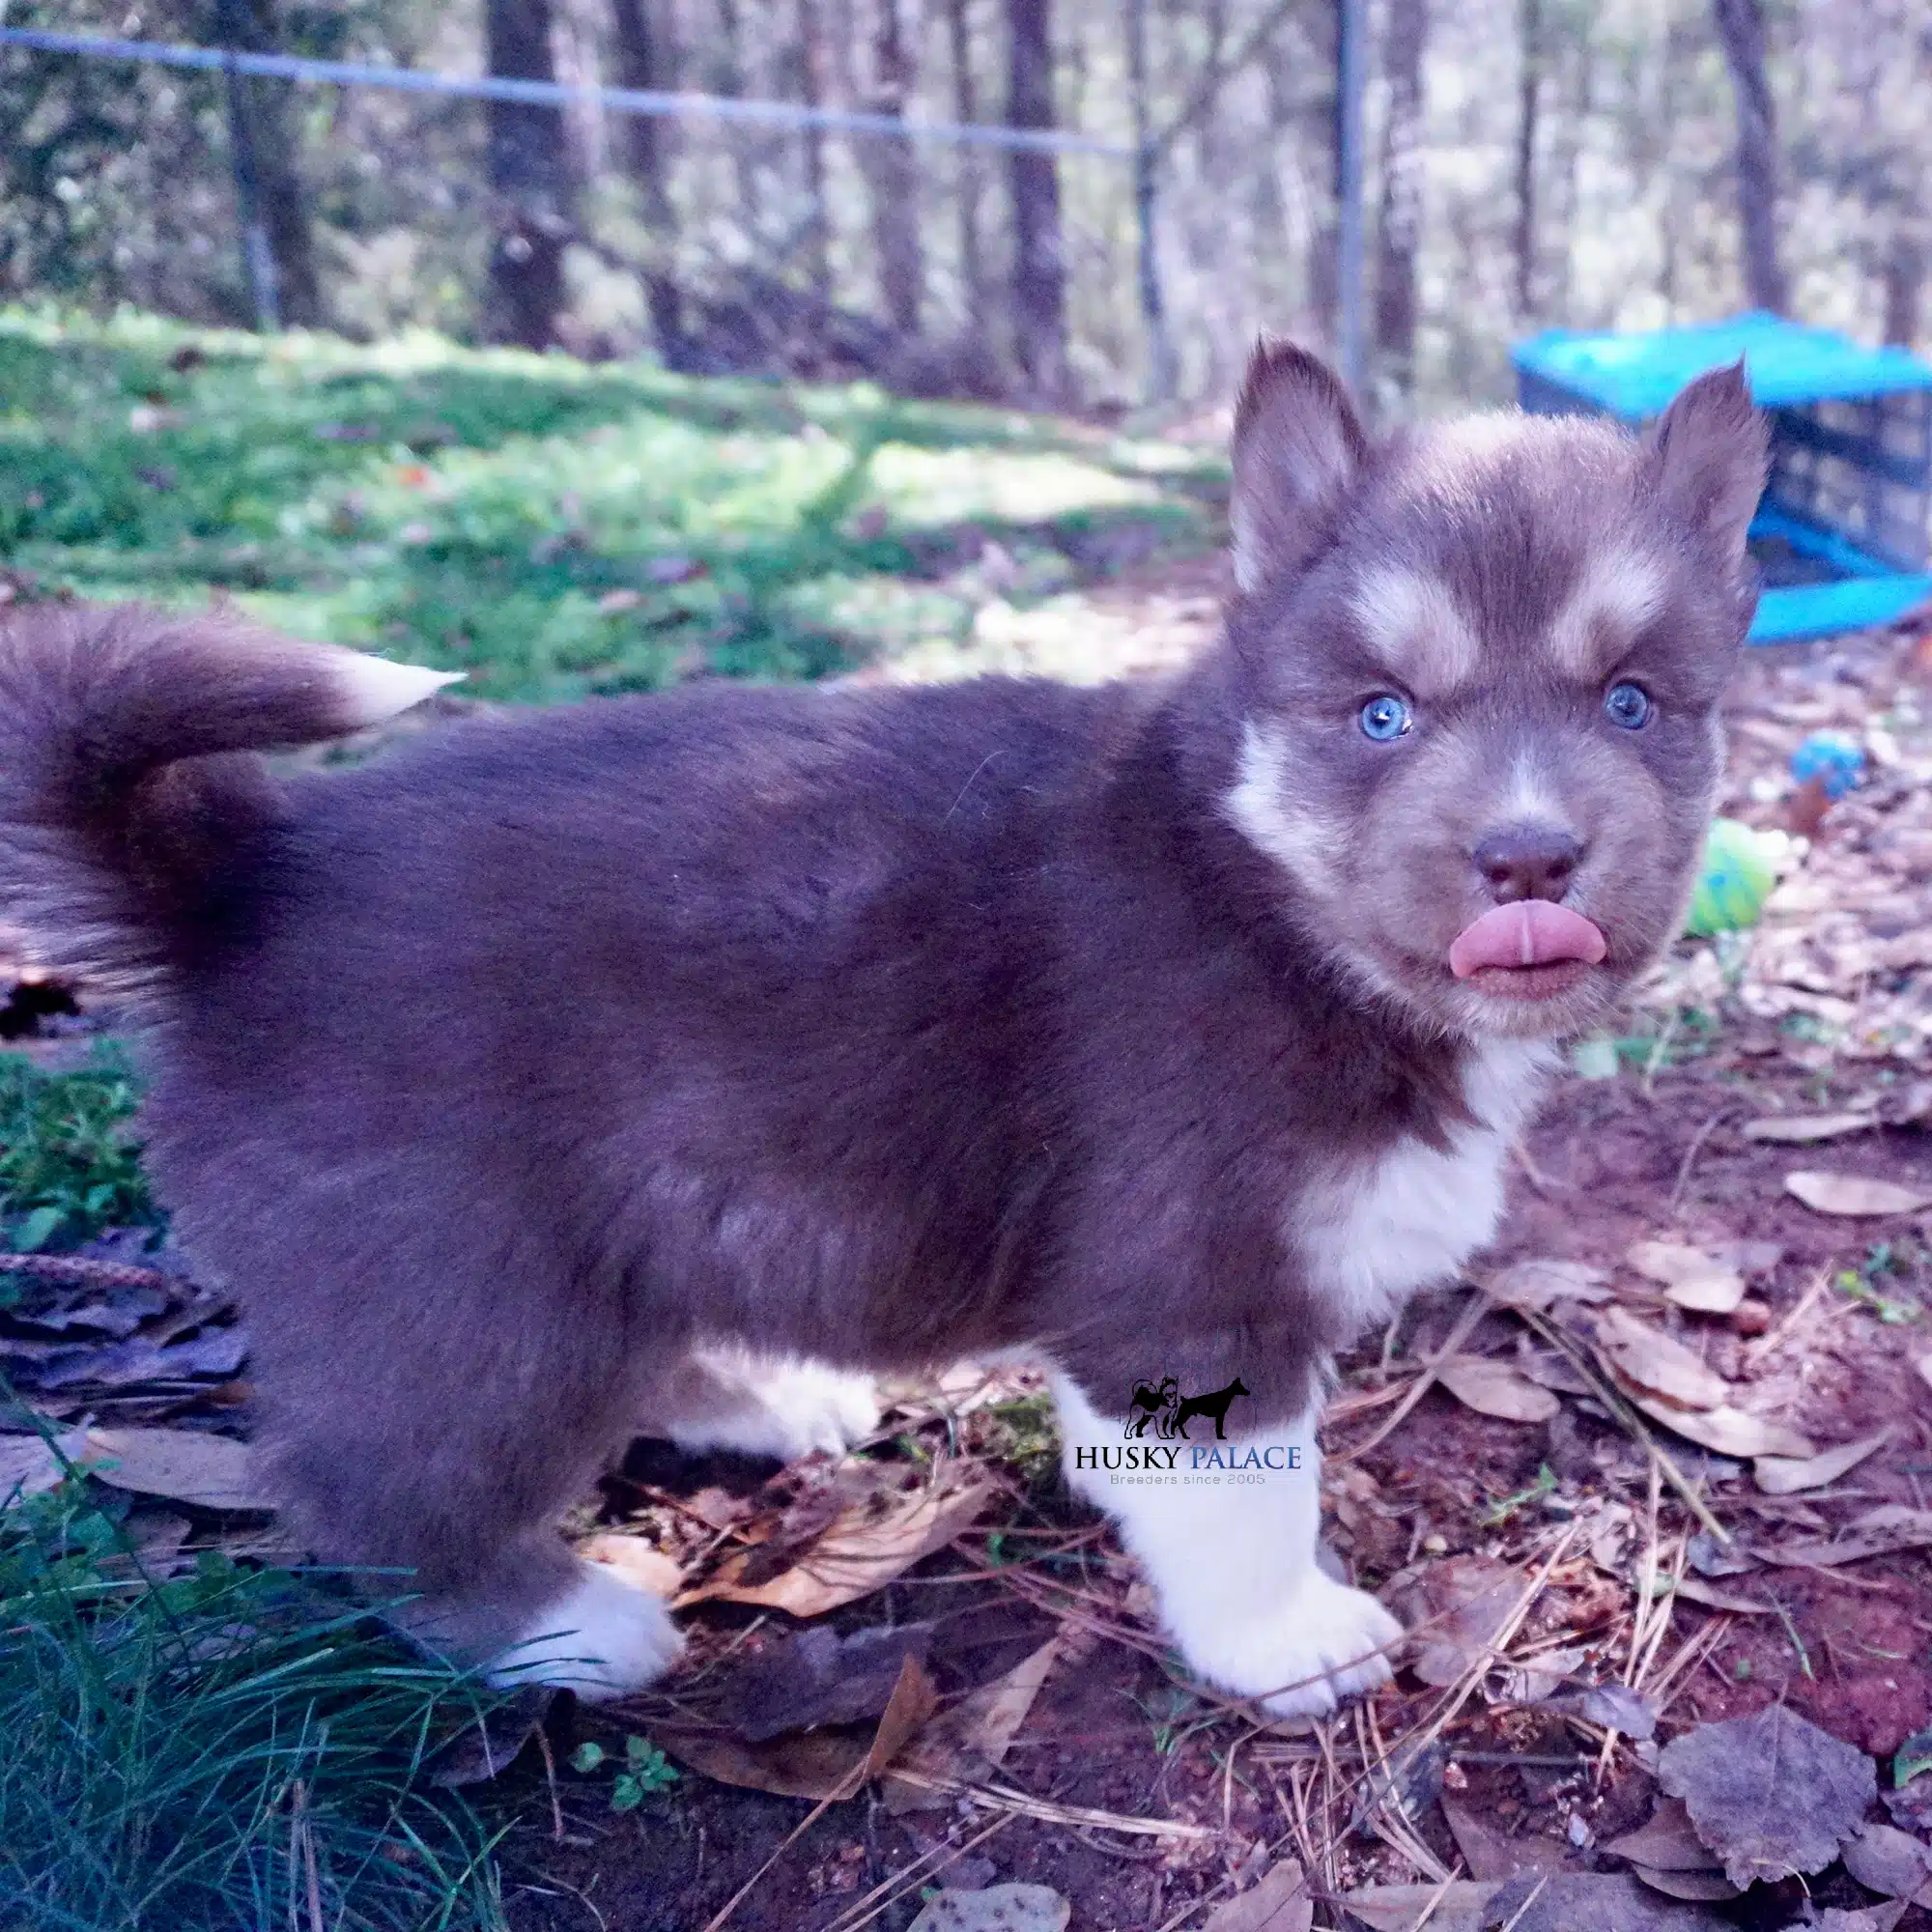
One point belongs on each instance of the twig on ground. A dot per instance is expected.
(1559, 1337)
(1690, 1154)
(1542, 1183)
(79, 1270)
(896, 1884)
(1760, 1350)
(1459, 1333)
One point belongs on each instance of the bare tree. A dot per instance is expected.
(640, 66)
(971, 180)
(530, 185)
(817, 239)
(1398, 233)
(1325, 136)
(1529, 102)
(891, 169)
(1039, 263)
(1741, 28)
(278, 238)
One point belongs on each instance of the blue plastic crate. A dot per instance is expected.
(1849, 504)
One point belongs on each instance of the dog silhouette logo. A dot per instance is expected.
(1157, 1404)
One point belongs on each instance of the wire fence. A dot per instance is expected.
(770, 237)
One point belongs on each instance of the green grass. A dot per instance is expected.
(230, 1747)
(69, 1163)
(553, 528)
(181, 1752)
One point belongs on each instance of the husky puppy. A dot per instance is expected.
(670, 1062)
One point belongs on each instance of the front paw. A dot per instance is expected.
(1303, 1658)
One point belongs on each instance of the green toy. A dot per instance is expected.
(1734, 883)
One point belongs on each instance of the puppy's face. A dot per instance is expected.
(1480, 670)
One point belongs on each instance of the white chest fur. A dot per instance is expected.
(1411, 1215)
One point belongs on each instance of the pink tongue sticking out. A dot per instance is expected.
(1531, 932)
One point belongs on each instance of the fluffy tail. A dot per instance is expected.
(120, 790)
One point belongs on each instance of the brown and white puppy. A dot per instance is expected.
(523, 1079)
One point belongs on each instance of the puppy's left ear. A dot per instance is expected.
(1298, 449)
(1707, 457)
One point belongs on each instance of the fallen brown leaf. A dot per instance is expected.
(1535, 1285)
(28, 1467)
(1491, 1853)
(1786, 1476)
(488, 1747)
(1279, 1903)
(1690, 1277)
(861, 1550)
(1669, 1842)
(966, 1741)
(1496, 1388)
(1878, 1532)
(1599, 1901)
(1702, 1888)
(1458, 1607)
(1804, 1128)
(1772, 1794)
(1726, 1431)
(1855, 1195)
(1697, 1591)
(1459, 1906)
(820, 1765)
(1657, 1363)
(999, 1907)
(819, 1677)
(1884, 1860)
(183, 1464)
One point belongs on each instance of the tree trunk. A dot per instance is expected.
(818, 218)
(1324, 238)
(730, 67)
(1741, 28)
(1039, 265)
(265, 124)
(891, 169)
(1904, 285)
(1567, 171)
(971, 179)
(639, 66)
(531, 187)
(1158, 343)
(1400, 223)
(1529, 100)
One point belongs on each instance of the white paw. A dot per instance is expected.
(603, 1639)
(786, 1409)
(1302, 1659)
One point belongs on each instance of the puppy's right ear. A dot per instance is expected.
(1299, 449)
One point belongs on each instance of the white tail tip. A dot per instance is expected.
(375, 689)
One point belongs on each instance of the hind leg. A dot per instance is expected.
(436, 1392)
(727, 1398)
(461, 1542)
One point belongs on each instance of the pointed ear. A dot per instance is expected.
(1298, 451)
(1707, 458)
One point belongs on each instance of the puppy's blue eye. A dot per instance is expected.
(1385, 718)
(1629, 705)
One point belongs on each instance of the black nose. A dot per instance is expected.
(1527, 862)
